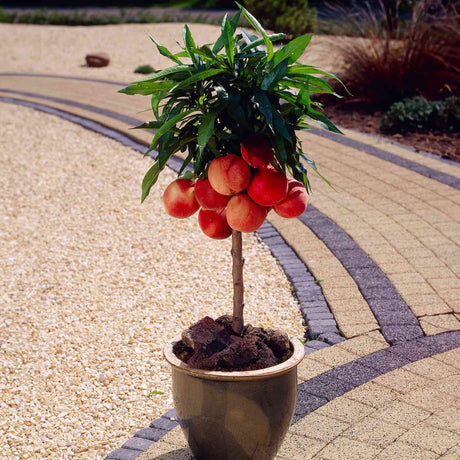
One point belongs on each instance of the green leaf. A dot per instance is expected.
(149, 125)
(227, 38)
(165, 52)
(265, 107)
(220, 42)
(165, 73)
(256, 24)
(156, 99)
(280, 126)
(170, 124)
(206, 129)
(275, 75)
(150, 179)
(312, 165)
(293, 50)
(250, 44)
(198, 77)
(189, 44)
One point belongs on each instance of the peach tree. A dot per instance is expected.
(233, 108)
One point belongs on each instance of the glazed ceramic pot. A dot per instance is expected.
(235, 415)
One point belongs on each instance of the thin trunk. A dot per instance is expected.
(238, 286)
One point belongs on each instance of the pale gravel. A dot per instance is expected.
(92, 284)
(61, 50)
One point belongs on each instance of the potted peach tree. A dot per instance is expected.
(233, 108)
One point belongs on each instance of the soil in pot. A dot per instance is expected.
(213, 345)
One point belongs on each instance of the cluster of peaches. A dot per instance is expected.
(238, 192)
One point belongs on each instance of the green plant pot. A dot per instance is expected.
(235, 415)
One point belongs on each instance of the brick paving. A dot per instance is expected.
(386, 275)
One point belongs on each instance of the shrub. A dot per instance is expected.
(6, 16)
(417, 58)
(295, 17)
(146, 69)
(419, 114)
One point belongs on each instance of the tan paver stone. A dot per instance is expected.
(310, 368)
(355, 330)
(444, 284)
(402, 451)
(401, 414)
(406, 278)
(451, 296)
(355, 317)
(342, 293)
(319, 427)
(349, 449)
(428, 309)
(406, 290)
(436, 272)
(402, 381)
(452, 454)
(428, 399)
(365, 344)
(451, 357)
(345, 410)
(374, 431)
(447, 419)
(333, 356)
(425, 262)
(298, 447)
(175, 437)
(349, 305)
(430, 438)
(338, 282)
(450, 385)
(161, 450)
(389, 267)
(431, 368)
(432, 325)
(373, 394)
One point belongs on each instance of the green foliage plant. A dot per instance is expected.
(293, 17)
(145, 69)
(217, 95)
(422, 115)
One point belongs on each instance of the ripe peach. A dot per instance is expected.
(256, 151)
(295, 202)
(268, 186)
(207, 197)
(229, 174)
(244, 215)
(214, 223)
(179, 199)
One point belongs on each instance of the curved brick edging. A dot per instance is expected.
(396, 320)
(64, 77)
(426, 171)
(318, 317)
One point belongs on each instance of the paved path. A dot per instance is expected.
(375, 264)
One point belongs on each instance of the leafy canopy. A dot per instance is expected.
(216, 95)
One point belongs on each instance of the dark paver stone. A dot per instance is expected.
(331, 338)
(153, 434)
(401, 333)
(354, 373)
(316, 331)
(164, 423)
(326, 386)
(383, 361)
(321, 315)
(306, 403)
(123, 454)
(139, 444)
(316, 344)
(395, 318)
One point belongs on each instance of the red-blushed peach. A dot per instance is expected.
(268, 186)
(207, 197)
(179, 199)
(295, 202)
(244, 215)
(256, 151)
(214, 223)
(229, 174)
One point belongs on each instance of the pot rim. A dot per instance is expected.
(293, 361)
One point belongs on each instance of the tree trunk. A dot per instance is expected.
(238, 286)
